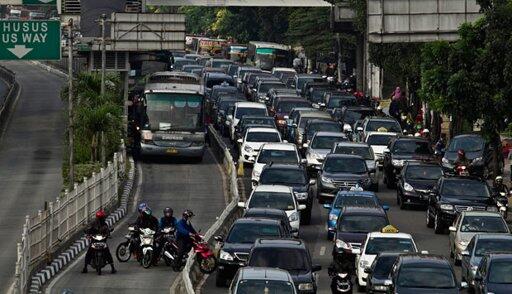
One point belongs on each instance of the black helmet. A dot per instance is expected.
(168, 212)
(188, 213)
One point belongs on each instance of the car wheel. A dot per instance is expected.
(438, 227)
(430, 222)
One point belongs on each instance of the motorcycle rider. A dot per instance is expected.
(147, 220)
(99, 227)
(184, 233)
(499, 186)
(168, 220)
(461, 160)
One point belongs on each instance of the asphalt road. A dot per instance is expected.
(177, 184)
(31, 151)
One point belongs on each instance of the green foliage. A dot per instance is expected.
(360, 9)
(310, 28)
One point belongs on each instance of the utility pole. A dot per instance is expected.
(102, 22)
(70, 106)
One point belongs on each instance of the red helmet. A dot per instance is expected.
(100, 214)
(461, 152)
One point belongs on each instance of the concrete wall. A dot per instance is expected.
(393, 21)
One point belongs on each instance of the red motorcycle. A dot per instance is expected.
(204, 254)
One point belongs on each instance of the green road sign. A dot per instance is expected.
(39, 2)
(30, 40)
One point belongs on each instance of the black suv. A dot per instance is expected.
(342, 171)
(423, 273)
(379, 272)
(452, 195)
(494, 274)
(478, 151)
(415, 183)
(287, 254)
(352, 226)
(236, 246)
(294, 176)
(401, 150)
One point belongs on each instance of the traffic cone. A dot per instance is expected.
(240, 170)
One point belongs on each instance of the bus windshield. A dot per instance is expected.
(174, 111)
(267, 58)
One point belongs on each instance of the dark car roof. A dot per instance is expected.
(462, 178)
(255, 117)
(256, 221)
(323, 121)
(419, 163)
(500, 256)
(493, 236)
(409, 138)
(291, 98)
(424, 259)
(467, 135)
(280, 243)
(339, 155)
(284, 166)
(356, 108)
(218, 75)
(363, 210)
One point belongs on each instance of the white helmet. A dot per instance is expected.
(426, 131)
(379, 107)
(347, 128)
(417, 135)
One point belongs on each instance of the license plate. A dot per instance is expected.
(172, 151)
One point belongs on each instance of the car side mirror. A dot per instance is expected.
(305, 145)
(240, 141)
(385, 207)
(241, 204)
(229, 117)
(464, 285)
(387, 151)
(301, 207)
(316, 268)
(286, 117)
(367, 270)
(327, 206)
(285, 141)
(464, 253)
(218, 238)
(388, 283)
(452, 229)
(359, 129)
(312, 182)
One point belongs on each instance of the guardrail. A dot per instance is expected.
(5, 102)
(52, 227)
(191, 276)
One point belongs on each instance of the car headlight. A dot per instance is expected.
(380, 288)
(306, 286)
(333, 217)
(492, 208)
(326, 180)
(397, 162)
(294, 217)
(301, 195)
(248, 148)
(225, 256)
(408, 187)
(343, 245)
(363, 264)
(446, 207)
(147, 135)
(281, 122)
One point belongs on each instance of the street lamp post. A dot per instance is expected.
(70, 106)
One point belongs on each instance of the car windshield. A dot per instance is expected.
(379, 140)
(302, 80)
(241, 111)
(468, 144)
(218, 81)
(248, 233)
(363, 151)
(486, 246)
(488, 224)
(282, 201)
(262, 137)
(500, 272)
(465, 188)
(283, 258)
(325, 142)
(287, 106)
(304, 121)
(340, 101)
(225, 105)
(379, 245)
(264, 287)
(257, 121)
(362, 223)
(283, 176)
(264, 87)
(383, 266)
(422, 172)
(345, 165)
(383, 126)
(278, 156)
(317, 95)
(323, 127)
(364, 201)
(411, 147)
(426, 277)
(350, 116)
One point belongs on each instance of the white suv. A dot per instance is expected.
(377, 242)
(277, 197)
(286, 153)
(253, 140)
(241, 109)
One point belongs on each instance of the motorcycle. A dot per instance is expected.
(147, 240)
(99, 245)
(125, 249)
(502, 203)
(170, 248)
(340, 281)
(204, 254)
(462, 170)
